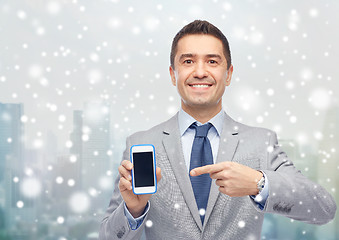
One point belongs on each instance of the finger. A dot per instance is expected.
(222, 189)
(124, 184)
(124, 173)
(127, 164)
(219, 183)
(212, 168)
(220, 175)
(158, 173)
(201, 170)
(222, 183)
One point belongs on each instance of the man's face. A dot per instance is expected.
(200, 72)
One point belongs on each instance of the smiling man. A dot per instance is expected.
(218, 176)
(201, 74)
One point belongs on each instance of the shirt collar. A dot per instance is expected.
(186, 120)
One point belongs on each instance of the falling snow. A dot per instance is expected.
(149, 223)
(87, 75)
(31, 187)
(241, 224)
(202, 211)
(79, 202)
(60, 220)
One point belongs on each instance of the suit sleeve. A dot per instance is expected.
(115, 224)
(293, 195)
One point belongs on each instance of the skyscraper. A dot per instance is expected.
(77, 144)
(18, 208)
(328, 165)
(11, 133)
(96, 142)
(90, 142)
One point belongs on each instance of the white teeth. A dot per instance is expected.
(201, 86)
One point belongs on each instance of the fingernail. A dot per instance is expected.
(129, 177)
(192, 173)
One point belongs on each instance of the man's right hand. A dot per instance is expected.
(135, 203)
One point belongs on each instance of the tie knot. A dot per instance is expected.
(201, 131)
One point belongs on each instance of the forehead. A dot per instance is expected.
(199, 44)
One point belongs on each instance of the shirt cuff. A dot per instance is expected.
(136, 222)
(261, 197)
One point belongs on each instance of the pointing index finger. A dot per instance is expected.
(212, 168)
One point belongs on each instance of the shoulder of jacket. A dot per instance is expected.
(157, 129)
(247, 129)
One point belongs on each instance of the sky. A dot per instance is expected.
(57, 55)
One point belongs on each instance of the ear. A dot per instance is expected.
(172, 73)
(229, 75)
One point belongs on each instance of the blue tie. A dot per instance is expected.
(201, 155)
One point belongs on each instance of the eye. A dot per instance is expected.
(188, 61)
(212, 61)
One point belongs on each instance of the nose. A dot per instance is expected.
(200, 71)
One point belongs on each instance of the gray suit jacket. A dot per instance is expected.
(173, 211)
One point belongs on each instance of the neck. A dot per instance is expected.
(202, 114)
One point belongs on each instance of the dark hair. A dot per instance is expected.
(201, 27)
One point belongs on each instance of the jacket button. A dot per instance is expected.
(121, 232)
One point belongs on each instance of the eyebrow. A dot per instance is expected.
(190, 55)
(186, 55)
(213, 56)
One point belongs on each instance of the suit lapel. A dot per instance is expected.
(227, 147)
(173, 147)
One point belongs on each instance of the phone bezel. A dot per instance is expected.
(144, 148)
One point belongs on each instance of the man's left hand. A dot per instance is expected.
(233, 179)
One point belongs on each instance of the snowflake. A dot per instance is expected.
(60, 220)
(31, 187)
(149, 223)
(79, 202)
(241, 224)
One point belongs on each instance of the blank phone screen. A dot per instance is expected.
(143, 169)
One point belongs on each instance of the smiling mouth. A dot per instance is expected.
(200, 85)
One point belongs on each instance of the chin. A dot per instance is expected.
(201, 104)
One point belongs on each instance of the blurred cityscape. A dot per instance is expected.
(45, 194)
(48, 195)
